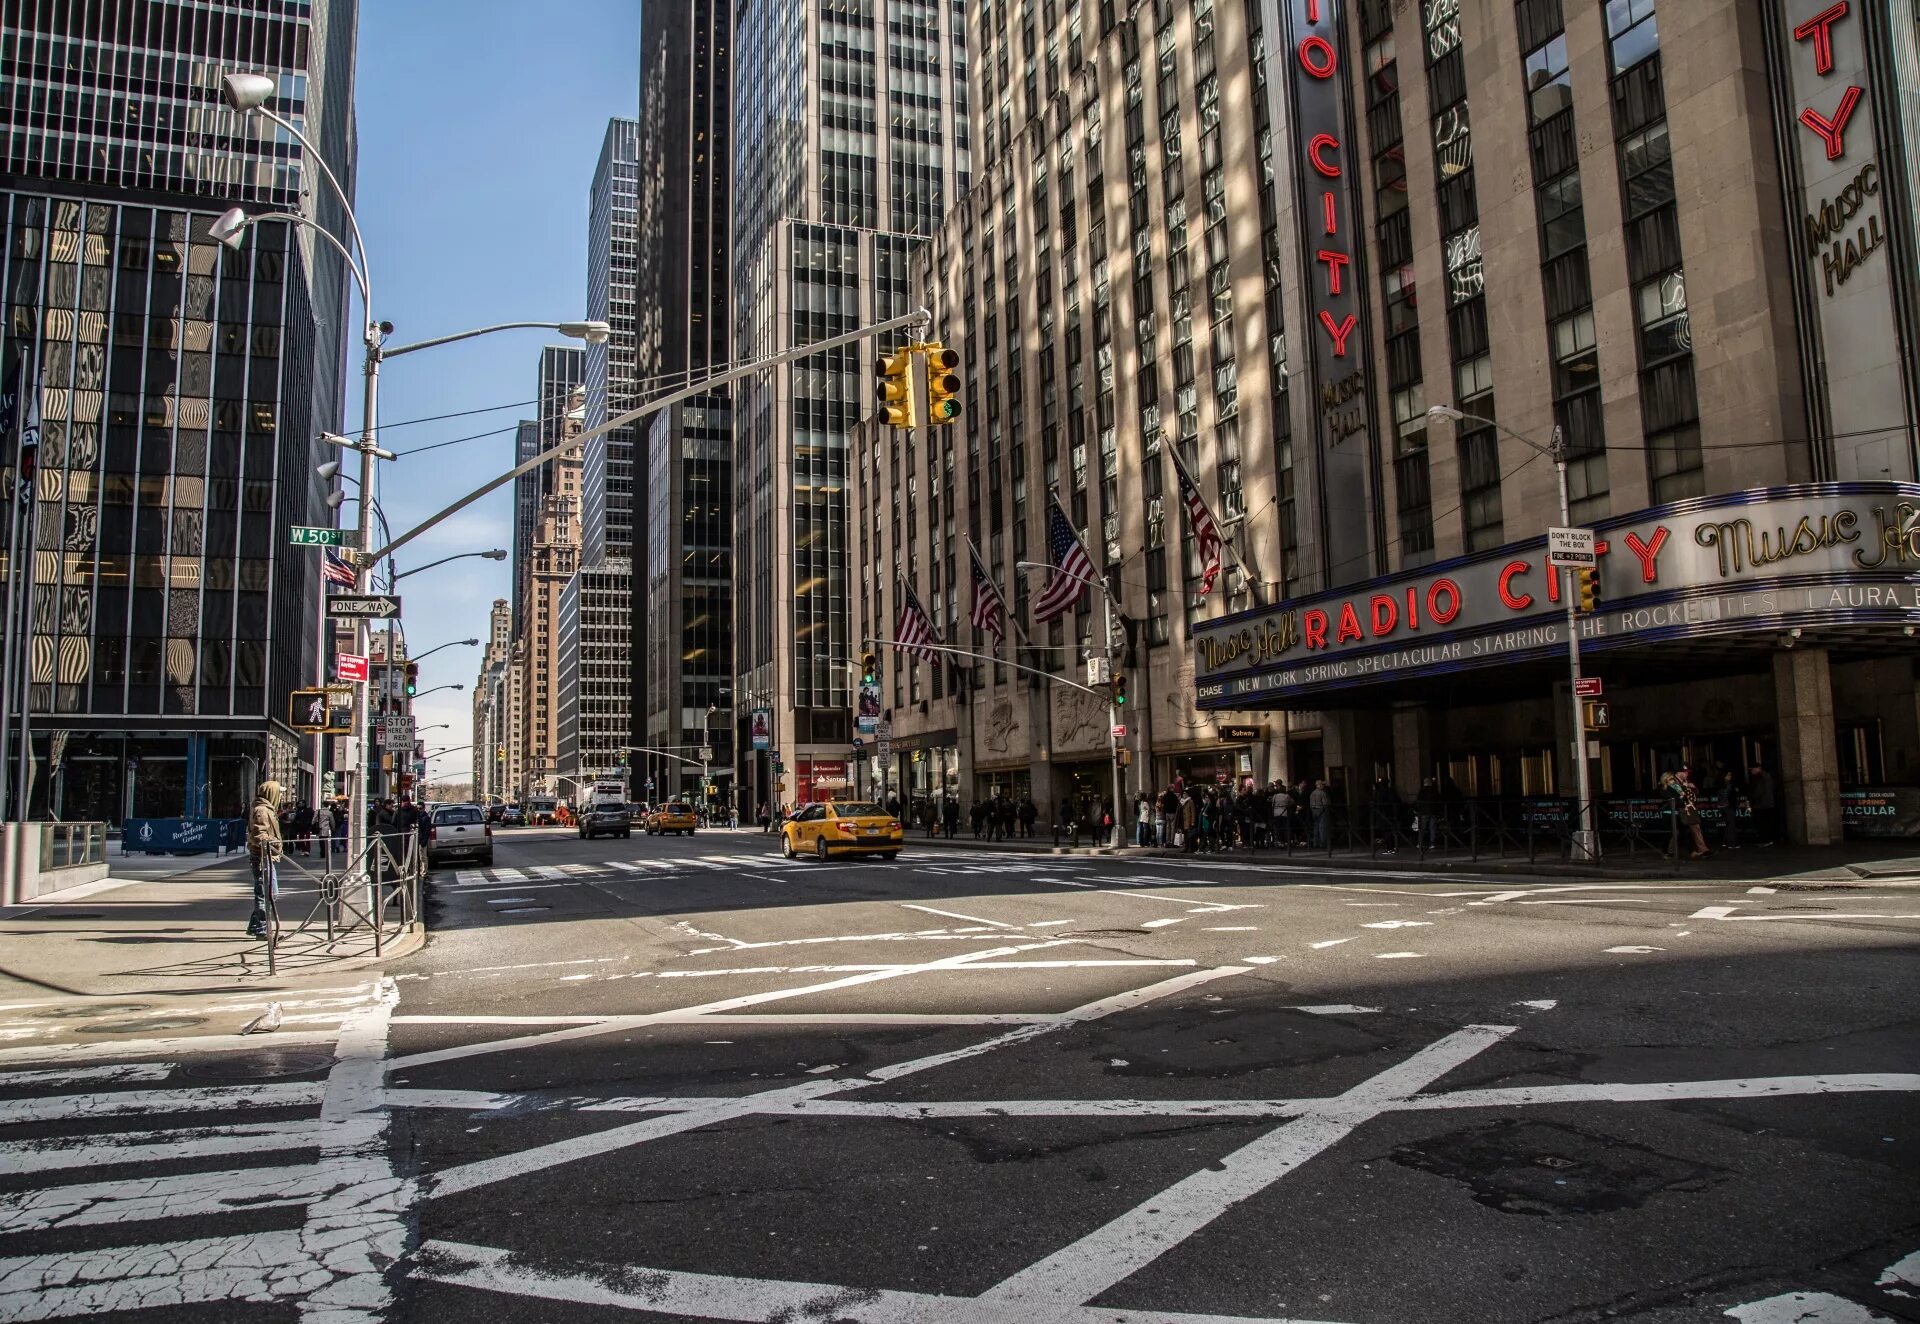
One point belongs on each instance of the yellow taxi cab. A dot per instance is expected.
(841, 827)
(674, 816)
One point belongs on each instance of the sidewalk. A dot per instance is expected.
(1852, 862)
(145, 941)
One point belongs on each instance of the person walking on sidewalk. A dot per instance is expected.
(323, 828)
(264, 849)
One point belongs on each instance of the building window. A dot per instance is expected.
(1664, 329)
(1635, 37)
(1549, 84)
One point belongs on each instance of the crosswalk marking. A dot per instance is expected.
(505, 875)
(701, 864)
(724, 861)
(626, 866)
(546, 871)
(468, 877)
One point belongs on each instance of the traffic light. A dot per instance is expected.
(869, 669)
(1119, 689)
(943, 384)
(1586, 589)
(413, 679)
(896, 389)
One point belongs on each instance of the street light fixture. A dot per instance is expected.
(435, 690)
(1586, 837)
(496, 554)
(451, 643)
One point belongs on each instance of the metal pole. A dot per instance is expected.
(363, 583)
(14, 580)
(28, 508)
(1113, 714)
(1586, 841)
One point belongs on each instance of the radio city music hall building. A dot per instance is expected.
(1684, 235)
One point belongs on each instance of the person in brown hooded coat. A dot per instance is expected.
(264, 849)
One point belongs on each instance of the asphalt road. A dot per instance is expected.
(685, 1079)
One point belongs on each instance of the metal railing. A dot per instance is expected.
(71, 845)
(381, 885)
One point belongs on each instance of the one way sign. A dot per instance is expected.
(354, 606)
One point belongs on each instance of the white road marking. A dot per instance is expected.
(575, 869)
(1330, 942)
(484, 1172)
(717, 1296)
(58, 1153)
(1905, 1271)
(728, 861)
(1805, 1308)
(19, 1080)
(1540, 1004)
(952, 914)
(1238, 928)
(506, 875)
(133, 1103)
(1048, 923)
(119, 1048)
(691, 862)
(521, 886)
(624, 866)
(1163, 923)
(508, 900)
(1076, 1274)
(1593, 901)
(1762, 891)
(523, 910)
(1711, 912)
(1259, 960)
(258, 1266)
(468, 877)
(176, 1195)
(1726, 913)
(1337, 1009)
(1062, 882)
(1396, 956)
(547, 871)
(1400, 924)
(1635, 950)
(724, 1004)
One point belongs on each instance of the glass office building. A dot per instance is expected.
(182, 387)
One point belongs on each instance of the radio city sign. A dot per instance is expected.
(1820, 553)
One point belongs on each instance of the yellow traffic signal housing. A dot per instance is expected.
(896, 389)
(1586, 585)
(869, 669)
(943, 384)
(1119, 689)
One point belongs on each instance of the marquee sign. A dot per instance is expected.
(1818, 553)
(1839, 216)
(1332, 253)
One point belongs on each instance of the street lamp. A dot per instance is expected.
(451, 643)
(436, 689)
(248, 94)
(496, 554)
(1113, 741)
(1586, 839)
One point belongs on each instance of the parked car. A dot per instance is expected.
(459, 832)
(675, 816)
(858, 827)
(605, 819)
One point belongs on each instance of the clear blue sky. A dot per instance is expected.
(480, 122)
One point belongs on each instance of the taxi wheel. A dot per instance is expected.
(786, 847)
(820, 849)
(889, 854)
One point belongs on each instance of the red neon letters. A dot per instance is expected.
(1339, 331)
(1317, 57)
(1318, 144)
(1833, 131)
(1820, 28)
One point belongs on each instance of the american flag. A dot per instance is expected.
(989, 608)
(1072, 569)
(1204, 529)
(335, 570)
(916, 628)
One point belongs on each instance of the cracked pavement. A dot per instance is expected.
(689, 1080)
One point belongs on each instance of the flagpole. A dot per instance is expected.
(1239, 562)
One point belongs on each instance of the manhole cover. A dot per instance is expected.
(143, 1026)
(260, 1066)
(1105, 933)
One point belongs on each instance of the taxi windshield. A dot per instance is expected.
(858, 809)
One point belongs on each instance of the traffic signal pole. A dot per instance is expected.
(1586, 837)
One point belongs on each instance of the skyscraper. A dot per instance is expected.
(683, 277)
(607, 496)
(562, 371)
(828, 206)
(182, 390)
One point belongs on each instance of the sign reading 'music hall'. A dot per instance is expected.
(1810, 555)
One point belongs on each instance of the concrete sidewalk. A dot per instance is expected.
(159, 940)
(1848, 863)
